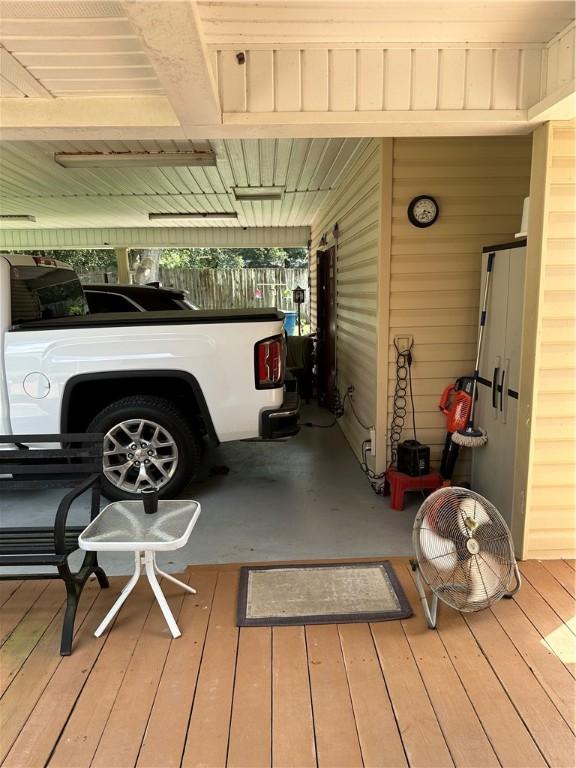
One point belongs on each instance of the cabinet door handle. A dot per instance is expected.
(494, 386)
(502, 389)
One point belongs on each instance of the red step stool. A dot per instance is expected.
(399, 483)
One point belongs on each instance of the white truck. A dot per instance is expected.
(155, 384)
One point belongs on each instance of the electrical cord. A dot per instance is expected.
(338, 409)
(377, 480)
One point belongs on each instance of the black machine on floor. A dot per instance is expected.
(413, 458)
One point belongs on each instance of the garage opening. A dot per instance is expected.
(389, 320)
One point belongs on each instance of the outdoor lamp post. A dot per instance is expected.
(298, 297)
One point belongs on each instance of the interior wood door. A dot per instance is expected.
(326, 325)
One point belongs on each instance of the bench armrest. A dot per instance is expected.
(93, 481)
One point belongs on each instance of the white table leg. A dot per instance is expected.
(150, 572)
(123, 595)
(172, 579)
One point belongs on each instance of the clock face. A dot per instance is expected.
(423, 211)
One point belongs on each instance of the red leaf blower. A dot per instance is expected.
(455, 403)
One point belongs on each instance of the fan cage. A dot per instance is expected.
(464, 549)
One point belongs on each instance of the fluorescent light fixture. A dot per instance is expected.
(192, 216)
(258, 193)
(133, 159)
(17, 217)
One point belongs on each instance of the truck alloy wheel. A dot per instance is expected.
(148, 442)
(139, 454)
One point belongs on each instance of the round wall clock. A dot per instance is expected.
(423, 211)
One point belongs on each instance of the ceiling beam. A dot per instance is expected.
(97, 117)
(152, 117)
(174, 44)
(560, 105)
(155, 237)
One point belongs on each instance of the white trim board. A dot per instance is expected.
(157, 237)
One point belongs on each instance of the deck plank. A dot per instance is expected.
(82, 733)
(28, 632)
(563, 574)
(423, 740)
(550, 626)
(551, 673)
(548, 728)
(378, 733)
(207, 737)
(124, 730)
(506, 730)
(251, 747)
(165, 736)
(334, 724)
(571, 563)
(551, 590)
(8, 588)
(20, 699)
(36, 740)
(17, 605)
(293, 744)
(462, 729)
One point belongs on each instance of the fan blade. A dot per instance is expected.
(439, 551)
(486, 582)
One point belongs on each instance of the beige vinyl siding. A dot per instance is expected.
(550, 530)
(355, 206)
(479, 184)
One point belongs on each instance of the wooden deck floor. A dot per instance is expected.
(488, 689)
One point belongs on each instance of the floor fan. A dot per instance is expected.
(464, 553)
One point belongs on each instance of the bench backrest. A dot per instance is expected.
(74, 457)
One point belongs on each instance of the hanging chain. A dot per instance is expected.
(399, 409)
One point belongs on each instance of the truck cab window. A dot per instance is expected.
(43, 293)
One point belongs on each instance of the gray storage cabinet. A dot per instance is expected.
(493, 465)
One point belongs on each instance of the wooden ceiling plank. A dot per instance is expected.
(19, 76)
(8, 90)
(267, 161)
(96, 45)
(283, 153)
(251, 154)
(73, 27)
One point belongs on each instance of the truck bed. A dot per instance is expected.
(180, 317)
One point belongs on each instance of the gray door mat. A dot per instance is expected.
(325, 593)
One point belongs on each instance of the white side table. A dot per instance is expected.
(123, 526)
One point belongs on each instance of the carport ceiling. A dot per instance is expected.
(186, 69)
(32, 183)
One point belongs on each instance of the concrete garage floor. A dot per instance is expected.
(304, 498)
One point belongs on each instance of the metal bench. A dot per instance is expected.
(77, 465)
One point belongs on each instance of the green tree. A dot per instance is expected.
(81, 259)
(84, 260)
(201, 258)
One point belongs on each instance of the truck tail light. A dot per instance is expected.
(269, 362)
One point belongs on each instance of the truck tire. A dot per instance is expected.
(147, 442)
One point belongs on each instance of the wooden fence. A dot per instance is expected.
(229, 288)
